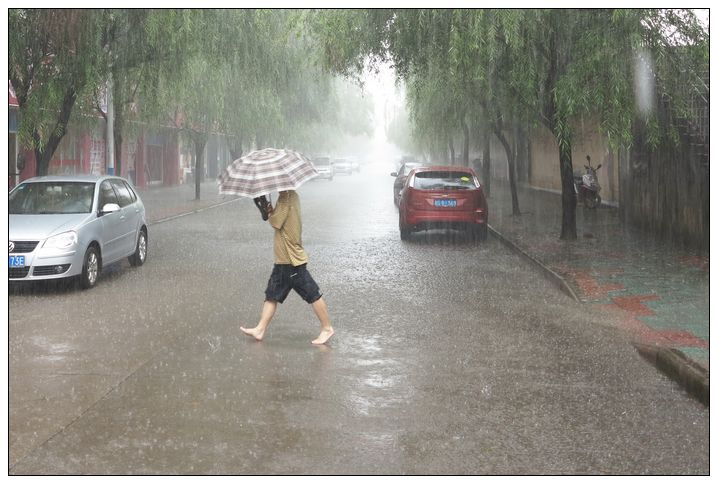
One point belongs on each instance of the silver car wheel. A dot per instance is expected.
(139, 256)
(92, 268)
(142, 246)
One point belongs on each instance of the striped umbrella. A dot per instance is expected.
(264, 171)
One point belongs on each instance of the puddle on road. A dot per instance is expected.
(374, 383)
(375, 361)
(49, 351)
(378, 380)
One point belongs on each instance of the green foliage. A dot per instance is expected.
(349, 40)
(267, 76)
(399, 133)
(569, 64)
(552, 66)
(251, 74)
(54, 57)
(261, 87)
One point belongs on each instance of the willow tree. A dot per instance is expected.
(499, 108)
(225, 63)
(276, 92)
(251, 81)
(398, 132)
(330, 112)
(425, 58)
(249, 62)
(305, 94)
(141, 48)
(433, 112)
(566, 64)
(443, 59)
(54, 58)
(549, 54)
(556, 66)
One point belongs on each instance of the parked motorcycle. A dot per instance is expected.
(587, 187)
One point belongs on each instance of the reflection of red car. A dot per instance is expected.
(443, 197)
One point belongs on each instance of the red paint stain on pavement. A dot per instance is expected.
(701, 263)
(633, 309)
(634, 304)
(588, 284)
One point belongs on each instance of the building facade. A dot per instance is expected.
(149, 156)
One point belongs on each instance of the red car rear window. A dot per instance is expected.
(444, 180)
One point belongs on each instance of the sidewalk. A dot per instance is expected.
(661, 291)
(162, 203)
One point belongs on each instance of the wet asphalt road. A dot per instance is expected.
(449, 358)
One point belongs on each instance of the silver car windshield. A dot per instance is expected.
(51, 198)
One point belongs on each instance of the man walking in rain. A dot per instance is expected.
(290, 269)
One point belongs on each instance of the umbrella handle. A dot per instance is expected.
(263, 205)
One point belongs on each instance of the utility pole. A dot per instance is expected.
(110, 143)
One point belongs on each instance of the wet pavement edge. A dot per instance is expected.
(670, 361)
(548, 273)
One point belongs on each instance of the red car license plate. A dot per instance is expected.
(445, 202)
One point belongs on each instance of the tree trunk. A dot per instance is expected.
(558, 125)
(235, 148)
(44, 155)
(511, 159)
(235, 154)
(119, 125)
(200, 141)
(452, 152)
(521, 152)
(465, 127)
(486, 168)
(41, 164)
(568, 194)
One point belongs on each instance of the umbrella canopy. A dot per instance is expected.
(264, 171)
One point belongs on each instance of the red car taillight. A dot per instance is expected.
(413, 198)
(479, 200)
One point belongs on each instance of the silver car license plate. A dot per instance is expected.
(16, 261)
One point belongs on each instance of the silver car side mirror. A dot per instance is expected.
(393, 173)
(109, 208)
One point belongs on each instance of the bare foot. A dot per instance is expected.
(324, 336)
(258, 334)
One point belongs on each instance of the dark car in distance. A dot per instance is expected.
(447, 197)
(401, 175)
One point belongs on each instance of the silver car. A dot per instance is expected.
(68, 226)
(342, 166)
(324, 167)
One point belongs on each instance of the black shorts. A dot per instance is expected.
(286, 277)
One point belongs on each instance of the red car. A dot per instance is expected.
(443, 197)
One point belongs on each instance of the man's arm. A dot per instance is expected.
(278, 214)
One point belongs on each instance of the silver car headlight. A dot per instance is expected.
(65, 240)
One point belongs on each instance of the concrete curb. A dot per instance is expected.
(190, 212)
(691, 376)
(677, 366)
(548, 273)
